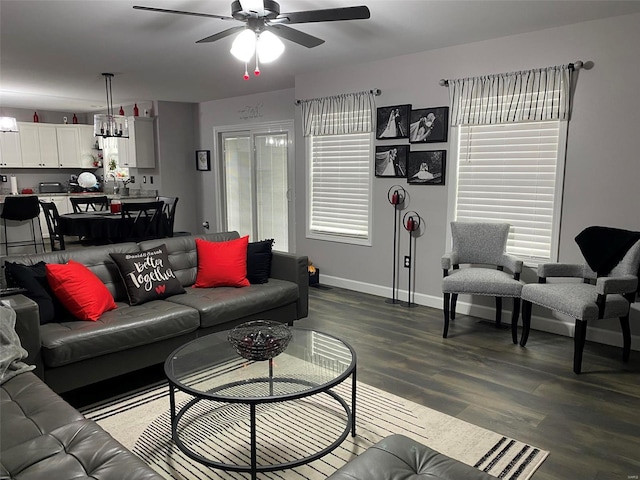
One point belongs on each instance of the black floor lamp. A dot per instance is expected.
(396, 196)
(411, 222)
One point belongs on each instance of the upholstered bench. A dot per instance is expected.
(400, 458)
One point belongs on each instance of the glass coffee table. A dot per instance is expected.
(239, 415)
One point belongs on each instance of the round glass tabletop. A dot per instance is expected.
(209, 367)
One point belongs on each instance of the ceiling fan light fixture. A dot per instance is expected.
(269, 47)
(244, 45)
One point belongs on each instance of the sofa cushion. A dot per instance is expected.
(259, 261)
(33, 278)
(222, 264)
(225, 304)
(29, 409)
(399, 457)
(183, 255)
(121, 329)
(96, 259)
(147, 275)
(42, 436)
(79, 290)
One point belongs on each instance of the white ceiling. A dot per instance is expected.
(52, 52)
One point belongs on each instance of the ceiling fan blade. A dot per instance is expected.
(222, 34)
(327, 15)
(296, 36)
(181, 12)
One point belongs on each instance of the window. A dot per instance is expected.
(339, 187)
(513, 173)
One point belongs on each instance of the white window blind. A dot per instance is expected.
(509, 173)
(340, 186)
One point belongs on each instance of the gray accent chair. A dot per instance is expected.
(480, 245)
(594, 299)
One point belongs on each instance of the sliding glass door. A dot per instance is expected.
(258, 183)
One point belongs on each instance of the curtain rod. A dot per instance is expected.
(376, 91)
(444, 82)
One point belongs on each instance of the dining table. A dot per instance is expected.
(101, 226)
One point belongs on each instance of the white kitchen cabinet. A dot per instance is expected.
(87, 145)
(10, 151)
(39, 145)
(68, 146)
(144, 145)
(125, 159)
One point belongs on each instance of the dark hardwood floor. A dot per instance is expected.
(590, 422)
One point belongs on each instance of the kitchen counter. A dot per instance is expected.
(133, 194)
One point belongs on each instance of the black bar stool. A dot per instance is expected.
(21, 209)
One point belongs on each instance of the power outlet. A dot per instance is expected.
(407, 261)
(144, 179)
(151, 179)
(3, 179)
(133, 178)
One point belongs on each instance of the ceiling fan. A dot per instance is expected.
(263, 21)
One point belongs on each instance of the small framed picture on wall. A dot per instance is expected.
(429, 125)
(427, 167)
(203, 160)
(391, 160)
(393, 122)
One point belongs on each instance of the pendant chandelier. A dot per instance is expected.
(110, 125)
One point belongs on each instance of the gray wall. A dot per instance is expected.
(602, 167)
(175, 173)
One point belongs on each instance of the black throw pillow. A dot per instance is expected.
(259, 261)
(33, 278)
(147, 275)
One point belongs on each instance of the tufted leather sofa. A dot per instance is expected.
(69, 353)
(42, 436)
(400, 458)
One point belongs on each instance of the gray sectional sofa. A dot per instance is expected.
(70, 353)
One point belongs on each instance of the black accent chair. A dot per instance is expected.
(141, 221)
(21, 209)
(51, 216)
(168, 215)
(89, 204)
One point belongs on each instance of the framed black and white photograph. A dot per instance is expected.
(427, 167)
(391, 160)
(393, 122)
(203, 160)
(429, 125)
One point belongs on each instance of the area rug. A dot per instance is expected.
(289, 430)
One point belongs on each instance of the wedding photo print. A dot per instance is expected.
(391, 160)
(393, 122)
(427, 167)
(429, 125)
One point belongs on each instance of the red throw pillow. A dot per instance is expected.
(79, 290)
(222, 264)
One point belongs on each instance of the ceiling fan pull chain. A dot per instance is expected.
(256, 72)
(246, 72)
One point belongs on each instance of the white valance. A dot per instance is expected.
(338, 115)
(532, 95)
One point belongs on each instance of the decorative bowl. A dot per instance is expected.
(260, 340)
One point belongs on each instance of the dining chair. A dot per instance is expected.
(51, 216)
(21, 209)
(89, 204)
(168, 214)
(479, 245)
(140, 220)
(576, 290)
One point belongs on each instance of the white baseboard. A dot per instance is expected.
(561, 325)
